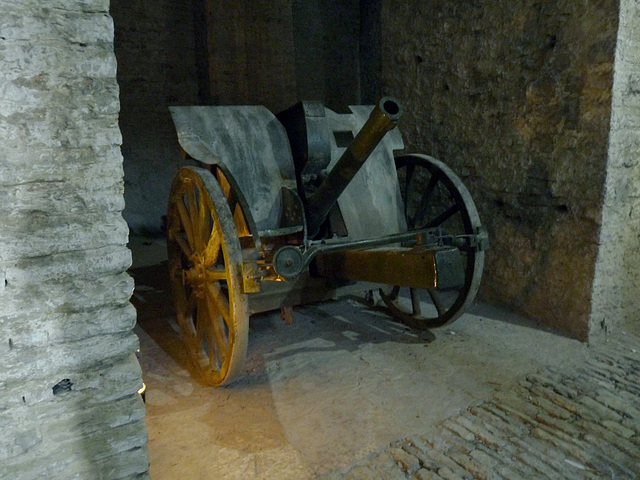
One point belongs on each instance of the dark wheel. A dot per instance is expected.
(435, 198)
(205, 266)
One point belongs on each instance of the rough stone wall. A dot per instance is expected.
(157, 67)
(516, 97)
(327, 38)
(617, 275)
(275, 53)
(220, 52)
(251, 52)
(69, 378)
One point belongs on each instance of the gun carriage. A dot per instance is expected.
(306, 206)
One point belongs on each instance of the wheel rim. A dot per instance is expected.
(205, 269)
(244, 224)
(434, 197)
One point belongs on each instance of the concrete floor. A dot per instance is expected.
(320, 395)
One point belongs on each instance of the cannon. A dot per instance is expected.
(306, 206)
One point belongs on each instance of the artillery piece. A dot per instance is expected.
(306, 206)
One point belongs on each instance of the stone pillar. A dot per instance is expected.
(616, 286)
(69, 406)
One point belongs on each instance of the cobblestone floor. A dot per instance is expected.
(552, 425)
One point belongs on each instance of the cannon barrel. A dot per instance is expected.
(384, 117)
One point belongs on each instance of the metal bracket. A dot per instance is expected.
(289, 261)
(251, 277)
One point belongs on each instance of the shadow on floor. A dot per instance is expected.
(330, 323)
(345, 324)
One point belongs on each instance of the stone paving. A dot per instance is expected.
(579, 425)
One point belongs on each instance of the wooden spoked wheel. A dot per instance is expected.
(205, 266)
(435, 198)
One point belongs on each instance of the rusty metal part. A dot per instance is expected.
(383, 118)
(286, 314)
(290, 261)
(205, 268)
(304, 290)
(319, 137)
(251, 276)
(416, 267)
(375, 185)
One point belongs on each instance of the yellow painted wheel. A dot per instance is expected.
(205, 266)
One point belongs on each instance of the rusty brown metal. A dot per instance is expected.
(383, 118)
(286, 314)
(410, 267)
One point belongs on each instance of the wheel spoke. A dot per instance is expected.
(217, 352)
(220, 301)
(434, 197)
(415, 302)
(408, 175)
(184, 246)
(431, 186)
(175, 270)
(223, 182)
(424, 203)
(443, 217)
(212, 250)
(184, 299)
(184, 309)
(199, 320)
(215, 275)
(193, 211)
(190, 304)
(186, 223)
(204, 222)
(217, 341)
(233, 203)
(437, 301)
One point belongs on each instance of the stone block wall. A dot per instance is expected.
(250, 50)
(157, 67)
(616, 287)
(516, 97)
(326, 36)
(69, 406)
(221, 52)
